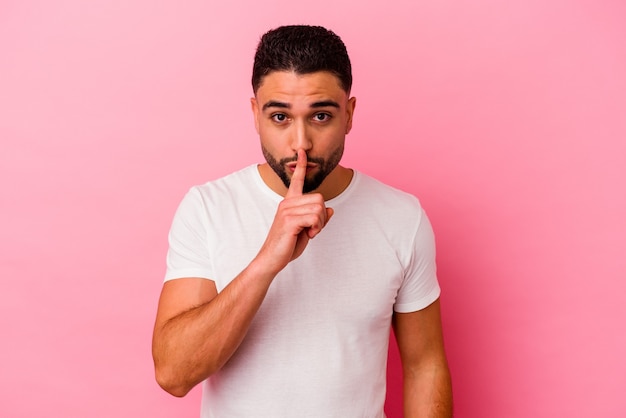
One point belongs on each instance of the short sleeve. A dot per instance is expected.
(420, 286)
(188, 254)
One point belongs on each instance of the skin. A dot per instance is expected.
(302, 121)
(427, 384)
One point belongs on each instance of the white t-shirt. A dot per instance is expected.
(318, 345)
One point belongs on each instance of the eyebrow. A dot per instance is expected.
(325, 103)
(314, 105)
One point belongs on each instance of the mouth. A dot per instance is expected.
(291, 167)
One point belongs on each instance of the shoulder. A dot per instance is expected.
(239, 183)
(223, 191)
(385, 196)
(394, 214)
(235, 180)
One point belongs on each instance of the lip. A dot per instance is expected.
(309, 167)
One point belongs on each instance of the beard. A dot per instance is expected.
(324, 168)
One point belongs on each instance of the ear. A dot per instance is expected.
(350, 113)
(255, 111)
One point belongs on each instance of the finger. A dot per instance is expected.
(315, 229)
(329, 214)
(297, 179)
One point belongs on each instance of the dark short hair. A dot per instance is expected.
(303, 50)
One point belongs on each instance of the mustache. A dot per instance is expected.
(316, 160)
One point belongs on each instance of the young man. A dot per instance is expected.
(283, 279)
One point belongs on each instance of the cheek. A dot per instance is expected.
(332, 138)
(265, 131)
(272, 138)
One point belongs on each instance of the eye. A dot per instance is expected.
(279, 117)
(321, 117)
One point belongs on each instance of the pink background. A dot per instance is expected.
(507, 119)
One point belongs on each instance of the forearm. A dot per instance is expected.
(191, 346)
(428, 392)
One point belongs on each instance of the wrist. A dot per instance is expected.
(263, 269)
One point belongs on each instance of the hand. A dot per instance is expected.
(299, 218)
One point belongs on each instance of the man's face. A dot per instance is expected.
(302, 111)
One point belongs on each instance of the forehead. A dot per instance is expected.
(287, 85)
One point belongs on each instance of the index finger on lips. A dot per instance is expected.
(297, 179)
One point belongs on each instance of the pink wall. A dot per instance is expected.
(508, 119)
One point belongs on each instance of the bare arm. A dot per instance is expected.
(197, 330)
(427, 386)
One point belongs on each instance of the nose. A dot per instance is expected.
(300, 137)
